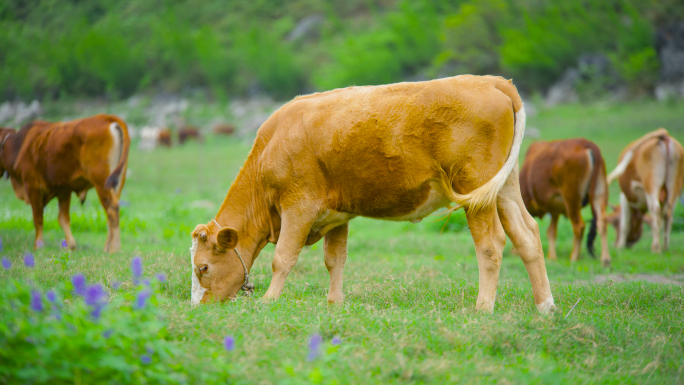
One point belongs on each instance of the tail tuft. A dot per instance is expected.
(591, 237)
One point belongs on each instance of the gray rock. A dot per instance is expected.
(306, 28)
(563, 91)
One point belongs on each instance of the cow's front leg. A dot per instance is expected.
(64, 219)
(489, 237)
(295, 227)
(335, 257)
(37, 205)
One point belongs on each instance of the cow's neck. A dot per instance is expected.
(10, 149)
(247, 209)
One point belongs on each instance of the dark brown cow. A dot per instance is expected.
(187, 133)
(651, 177)
(47, 160)
(560, 178)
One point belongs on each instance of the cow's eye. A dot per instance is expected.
(203, 269)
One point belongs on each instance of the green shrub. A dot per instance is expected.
(78, 333)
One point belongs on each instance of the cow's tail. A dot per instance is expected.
(121, 139)
(485, 196)
(596, 187)
(627, 157)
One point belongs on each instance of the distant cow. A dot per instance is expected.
(47, 160)
(396, 152)
(560, 178)
(188, 132)
(224, 129)
(651, 175)
(164, 137)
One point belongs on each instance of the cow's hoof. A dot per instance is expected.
(547, 307)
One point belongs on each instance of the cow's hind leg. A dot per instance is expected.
(110, 203)
(335, 257)
(64, 219)
(489, 238)
(295, 228)
(524, 233)
(573, 207)
(655, 211)
(37, 205)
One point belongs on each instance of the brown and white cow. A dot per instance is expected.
(651, 175)
(395, 152)
(47, 160)
(559, 178)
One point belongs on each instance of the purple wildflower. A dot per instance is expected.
(107, 333)
(145, 359)
(40, 244)
(142, 298)
(229, 343)
(95, 297)
(314, 346)
(36, 301)
(336, 340)
(146, 282)
(116, 285)
(79, 282)
(51, 296)
(161, 277)
(6, 263)
(29, 261)
(136, 267)
(64, 243)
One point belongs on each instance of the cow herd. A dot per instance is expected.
(561, 177)
(394, 152)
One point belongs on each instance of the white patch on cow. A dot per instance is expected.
(587, 179)
(197, 290)
(116, 150)
(546, 306)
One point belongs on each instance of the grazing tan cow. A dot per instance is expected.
(651, 175)
(47, 160)
(395, 152)
(561, 177)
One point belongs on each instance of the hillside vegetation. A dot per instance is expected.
(55, 48)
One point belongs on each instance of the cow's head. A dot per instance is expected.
(217, 273)
(636, 225)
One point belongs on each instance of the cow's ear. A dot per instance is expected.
(227, 238)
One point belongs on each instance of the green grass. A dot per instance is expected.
(410, 290)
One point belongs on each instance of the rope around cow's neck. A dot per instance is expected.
(247, 286)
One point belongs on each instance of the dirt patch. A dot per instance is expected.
(675, 279)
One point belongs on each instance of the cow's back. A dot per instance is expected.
(59, 155)
(550, 166)
(380, 150)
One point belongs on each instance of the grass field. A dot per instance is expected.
(410, 290)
